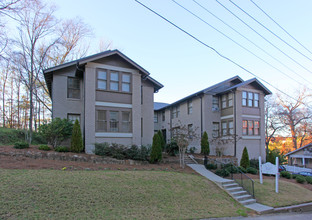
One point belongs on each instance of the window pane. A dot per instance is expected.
(224, 128)
(125, 87)
(231, 128)
(245, 127)
(101, 123)
(250, 127)
(73, 117)
(101, 84)
(113, 121)
(102, 75)
(244, 95)
(114, 86)
(114, 76)
(126, 122)
(73, 88)
(126, 78)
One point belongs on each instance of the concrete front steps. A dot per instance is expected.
(238, 193)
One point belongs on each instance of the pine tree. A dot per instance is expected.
(156, 154)
(76, 144)
(205, 144)
(162, 140)
(245, 159)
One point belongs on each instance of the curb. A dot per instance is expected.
(305, 207)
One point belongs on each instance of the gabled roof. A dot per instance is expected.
(215, 89)
(251, 81)
(299, 149)
(82, 61)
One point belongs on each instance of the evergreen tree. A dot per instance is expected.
(156, 154)
(76, 144)
(245, 159)
(162, 140)
(205, 144)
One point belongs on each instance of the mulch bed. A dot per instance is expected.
(21, 162)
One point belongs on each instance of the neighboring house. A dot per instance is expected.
(301, 157)
(231, 112)
(109, 94)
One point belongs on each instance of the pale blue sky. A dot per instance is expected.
(183, 65)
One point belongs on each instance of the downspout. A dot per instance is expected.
(201, 116)
(170, 117)
(234, 111)
(84, 104)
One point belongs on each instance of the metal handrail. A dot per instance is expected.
(252, 191)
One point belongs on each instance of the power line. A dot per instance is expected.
(280, 26)
(269, 30)
(251, 42)
(263, 36)
(234, 41)
(213, 49)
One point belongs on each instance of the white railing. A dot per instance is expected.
(295, 169)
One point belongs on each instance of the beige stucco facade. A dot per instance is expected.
(136, 103)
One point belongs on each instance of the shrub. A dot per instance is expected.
(61, 149)
(162, 140)
(308, 179)
(192, 150)
(44, 147)
(293, 176)
(205, 144)
(254, 163)
(156, 155)
(232, 169)
(272, 154)
(252, 170)
(211, 166)
(242, 169)
(102, 149)
(285, 174)
(76, 144)
(222, 173)
(245, 159)
(21, 145)
(300, 179)
(172, 148)
(56, 131)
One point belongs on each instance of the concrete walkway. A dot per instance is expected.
(219, 180)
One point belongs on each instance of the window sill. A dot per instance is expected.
(113, 135)
(73, 99)
(120, 92)
(251, 137)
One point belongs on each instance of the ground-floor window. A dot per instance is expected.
(112, 120)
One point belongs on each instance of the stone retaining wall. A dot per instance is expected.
(70, 157)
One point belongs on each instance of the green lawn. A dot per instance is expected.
(52, 194)
(289, 193)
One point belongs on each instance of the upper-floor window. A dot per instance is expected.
(190, 130)
(251, 127)
(113, 80)
(73, 88)
(163, 116)
(189, 107)
(230, 99)
(175, 111)
(250, 99)
(155, 118)
(215, 129)
(223, 101)
(215, 103)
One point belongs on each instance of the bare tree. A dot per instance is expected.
(296, 114)
(183, 135)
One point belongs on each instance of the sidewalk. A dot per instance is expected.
(219, 180)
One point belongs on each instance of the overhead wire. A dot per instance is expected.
(263, 37)
(235, 41)
(213, 49)
(281, 27)
(281, 39)
(250, 41)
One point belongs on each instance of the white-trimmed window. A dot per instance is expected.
(73, 117)
(257, 127)
(215, 129)
(231, 127)
(102, 79)
(244, 98)
(73, 88)
(125, 82)
(189, 107)
(224, 128)
(230, 99)
(245, 127)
